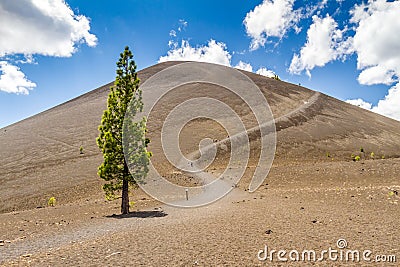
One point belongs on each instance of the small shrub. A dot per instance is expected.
(81, 150)
(361, 150)
(276, 77)
(383, 157)
(357, 158)
(372, 155)
(52, 202)
(131, 203)
(328, 155)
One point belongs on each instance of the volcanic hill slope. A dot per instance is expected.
(312, 191)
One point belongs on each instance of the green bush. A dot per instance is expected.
(52, 202)
(276, 77)
(357, 158)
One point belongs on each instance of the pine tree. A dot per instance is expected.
(125, 97)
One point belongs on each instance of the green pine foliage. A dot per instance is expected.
(125, 96)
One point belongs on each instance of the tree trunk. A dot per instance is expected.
(125, 198)
(125, 193)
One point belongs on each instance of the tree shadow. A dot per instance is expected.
(140, 214)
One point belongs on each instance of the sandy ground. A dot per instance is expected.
(310, 208)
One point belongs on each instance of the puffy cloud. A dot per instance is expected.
(12, 80)
(244, 66)
(389, 106)
(42, 27)
(373, 38)
(360, 103)
(324, 44)
(261, 71)
(272, 18)
(377, 45)
(37, 27)
(266, 72)
(376, 75)
(213, 52)
(376, 41)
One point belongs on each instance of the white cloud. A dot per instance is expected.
(27, 59)
(266, 72)
(310, 10)
(360, 103)
(272, 18)
(389, 106)
(244, 66)
(42, 27)
(172, 33)
(377, 42)
(37, 27)
(182, 24)
(324, 44)
(12, 80)
(373, 38)
(376, 75)
(213, 52)
(261, 71)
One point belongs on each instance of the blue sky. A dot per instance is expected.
(52, 51)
